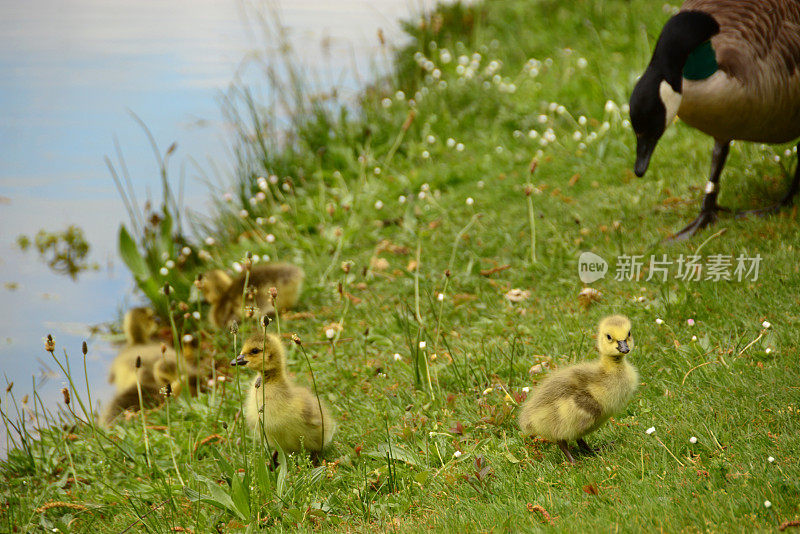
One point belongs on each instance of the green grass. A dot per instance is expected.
(393, 464)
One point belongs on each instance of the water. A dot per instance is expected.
(69, 74)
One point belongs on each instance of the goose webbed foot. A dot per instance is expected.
(785, 202)
(565, 449)
(707, 217)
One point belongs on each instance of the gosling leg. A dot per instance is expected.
(709, 208)
(786, 201)
(563, 446)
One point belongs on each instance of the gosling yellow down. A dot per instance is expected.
(225, 293)
(289, 415)
(574, 401)
(139, 326)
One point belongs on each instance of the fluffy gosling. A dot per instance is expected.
(574, 401)
(290, 416)
(152, 380)
(139, 326)
(225, 293)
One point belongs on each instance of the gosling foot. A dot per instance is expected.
(585, 448)
(563, 446)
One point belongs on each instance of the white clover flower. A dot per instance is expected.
(256, 258)
(576, 135)
(552, 106)
(169, 264)
(378, 205)
(480, 184)
(397, 357)
(460, 69)
(451, 142)
(329, 333)
(582, 120)
(430, 139)
(463, 60)
(187, 338)
(549, 135)
(440, 297)
(768, 350)
(610, 106)
(650, 430)
(273, 179)
(526, 389)
(659, 321)
(511, 88)
(460, 147)
(425, 154)
(196, 315)
(582, 62)
(767, 504)
(456, 454)
(694, 338)
(693, 440)
(422, 344)
(542, 119)
(561, 110)
(228, 197)
(259, 221)
(470, 201)
(498, 149)
(243, 214)
(262, 183)
(421, 195)
(533, 134)
(401, 199)
(237, 267)
(253, 201)
(690, 322)
(272, 219)
(204, 255)
(261, 196)
(164, 271)
(286, 187)
(270, 238)
(770, 459)
(626, 123)
(186, 251)
(766, 324)
(400, 95)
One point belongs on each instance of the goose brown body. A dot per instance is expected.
(755, 94)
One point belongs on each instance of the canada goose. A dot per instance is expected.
(225, 294)
(731, 69)
(576, 400)
(290, 415)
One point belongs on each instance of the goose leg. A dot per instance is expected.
(787, 200)
(563, 446)
(709, 209)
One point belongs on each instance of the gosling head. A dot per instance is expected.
(263, 354)
(213, 284)
(657, 95)
(139, 325)
(614, 339)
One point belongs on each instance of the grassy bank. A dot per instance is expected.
(423, 189)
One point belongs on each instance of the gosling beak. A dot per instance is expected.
(623, 347)
(644, 151)
(241, 359)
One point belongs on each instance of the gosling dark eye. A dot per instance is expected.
(608, 336)
(629, 335)
(255, 351)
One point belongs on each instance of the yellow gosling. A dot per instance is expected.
(290, 415)
(225, 293)
(574, 401)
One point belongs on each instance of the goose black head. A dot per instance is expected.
(657, 95)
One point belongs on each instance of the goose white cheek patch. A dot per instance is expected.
(671, 101)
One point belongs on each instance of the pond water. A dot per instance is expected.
(71, 74)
